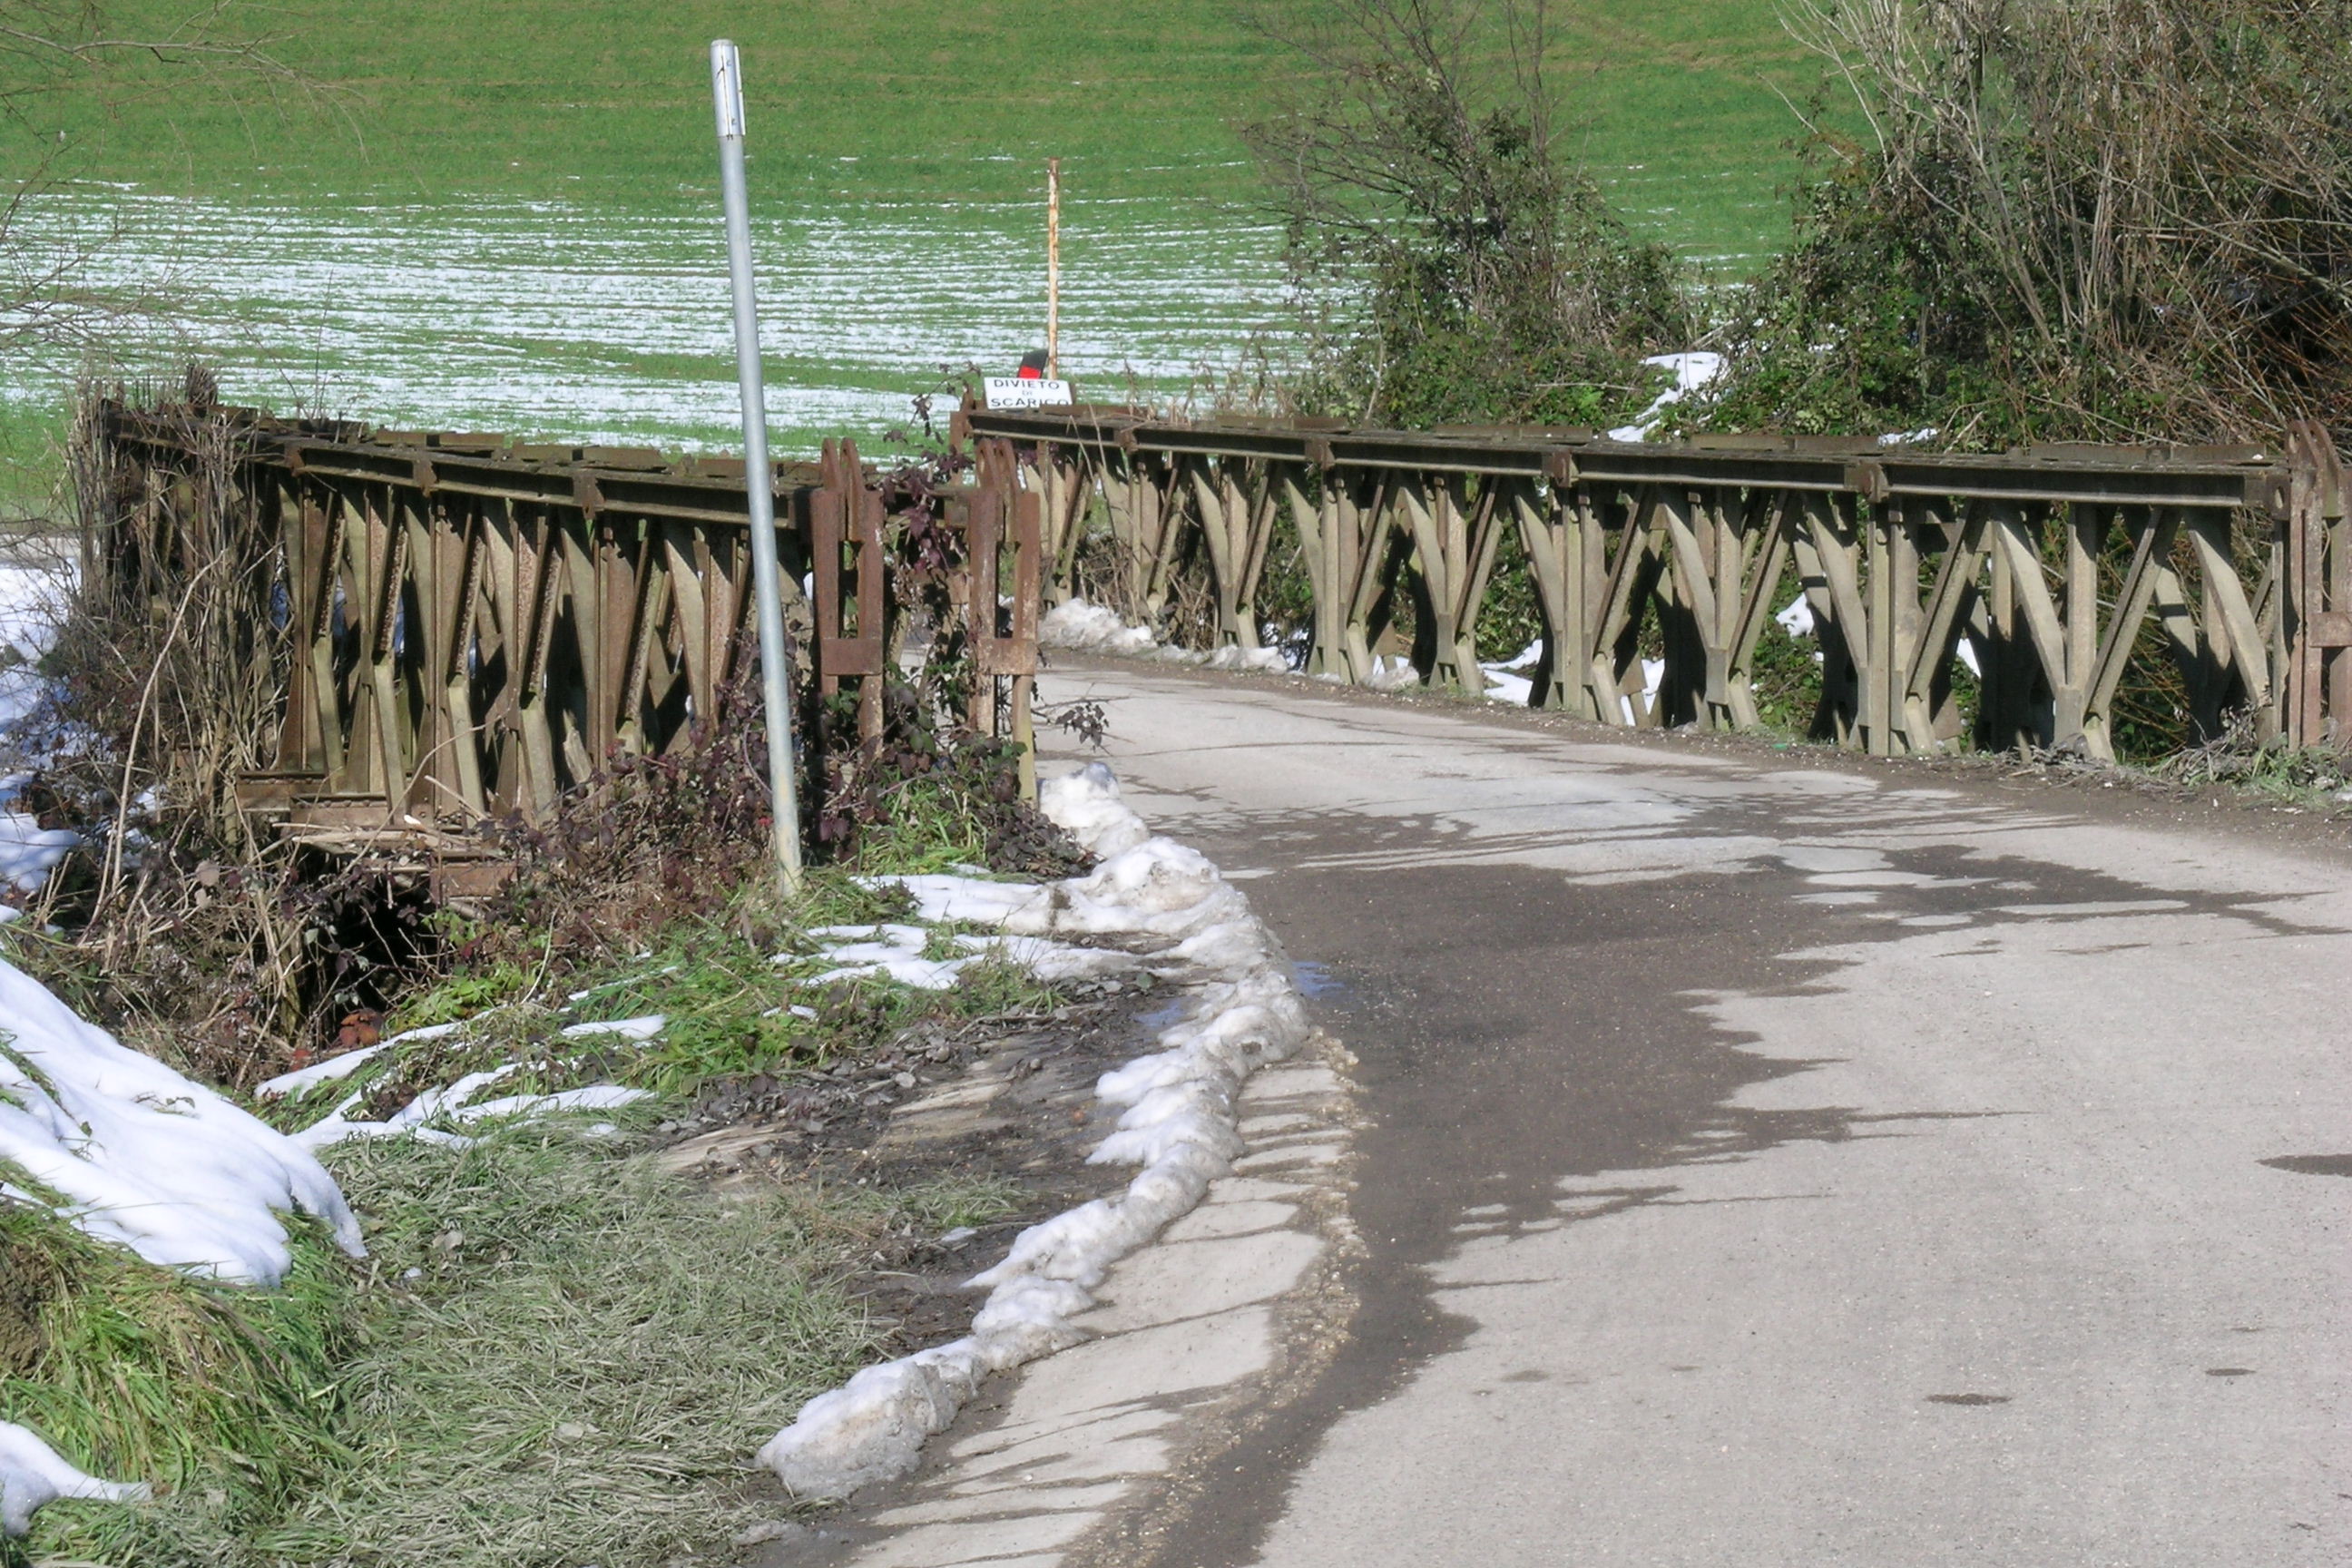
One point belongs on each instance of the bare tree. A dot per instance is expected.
(46, 45)
(55, 48)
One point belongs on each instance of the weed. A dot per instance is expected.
(500, 982)
(2100, 221)
(2316, 778)
(1426, 172)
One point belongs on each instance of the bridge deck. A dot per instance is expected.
(1772, 1157)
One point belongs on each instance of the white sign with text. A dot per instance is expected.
(1012, 392)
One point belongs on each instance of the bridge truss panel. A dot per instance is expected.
(2040, 576)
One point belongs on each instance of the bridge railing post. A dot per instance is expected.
(2317, 551)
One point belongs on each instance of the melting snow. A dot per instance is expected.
(31, 1474)
(1091, 628)
(138, 1154)
(1693, 371)
(455, 1102)
(895, 951)
(1075, 624)
(27, 850)
(437, 311)
(1176, 1121)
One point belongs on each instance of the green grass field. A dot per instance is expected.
(1682, 104)
(503, 216)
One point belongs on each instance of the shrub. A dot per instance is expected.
(1422, 180)
(2089, 219)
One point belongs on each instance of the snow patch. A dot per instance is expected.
(1177, 1122)
(1505, 683)
(28, 599)
(636, 1031)
(1092, 629)
(28, 851)
(1082, 627)
(1654, 670)
(139, 1155)
(32, 1475)
(455, 1102)
(1796, 618)
(1693, 371)
(593, 1097)
(895, 951)
(1267, 658)
(1081, 806)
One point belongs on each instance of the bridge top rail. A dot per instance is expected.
(702, 487)
(1654, 567)
(635, 480)
(2149, 474)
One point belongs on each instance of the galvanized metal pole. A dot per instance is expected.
(1053, 268)
(758, 480)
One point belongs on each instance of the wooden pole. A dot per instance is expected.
(1053, 268)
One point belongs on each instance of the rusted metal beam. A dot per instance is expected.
(2133, 475)
(474, 626)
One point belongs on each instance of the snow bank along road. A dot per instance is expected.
(1773, 1160)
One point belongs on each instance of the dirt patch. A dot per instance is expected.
(1004, 1105)
(28, 1280)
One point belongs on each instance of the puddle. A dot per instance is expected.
(1968, 1399)
(1316, 980)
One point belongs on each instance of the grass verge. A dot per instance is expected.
(562, 1356)
(558, 1351)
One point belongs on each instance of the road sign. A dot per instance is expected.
(1012, 392)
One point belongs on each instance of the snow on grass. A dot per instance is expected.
(457, 1101)
(32, 1475)
(896, 952)
(573, 1353)
(1506, 682)
(127, 1150)
(1693, 371)
(605, 324)
(28, 599)
(1176, 1121)
(123, 1148)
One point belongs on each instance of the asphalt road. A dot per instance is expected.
(1775, 1159)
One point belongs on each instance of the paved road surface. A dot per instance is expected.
(1780, 1160)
